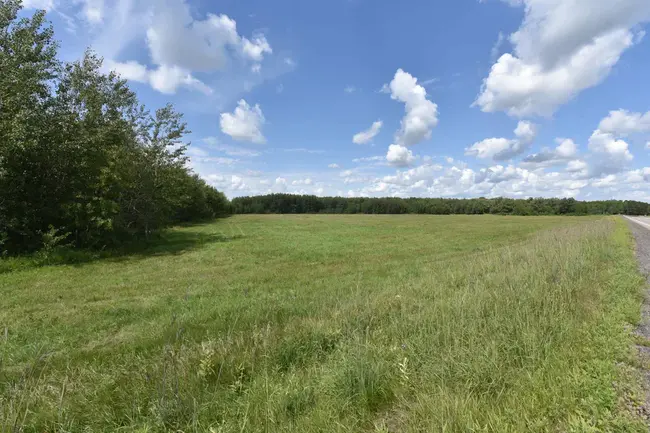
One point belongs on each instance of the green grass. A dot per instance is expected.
(331, 324)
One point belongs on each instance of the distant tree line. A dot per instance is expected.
(290, 203)
(81, 160)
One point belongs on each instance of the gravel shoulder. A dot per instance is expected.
(640, 228)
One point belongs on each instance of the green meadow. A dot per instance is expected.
(322, 323)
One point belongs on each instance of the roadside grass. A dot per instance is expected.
(332, 323)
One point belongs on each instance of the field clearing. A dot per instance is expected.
(329, 323)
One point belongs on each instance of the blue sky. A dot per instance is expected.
(463, 98)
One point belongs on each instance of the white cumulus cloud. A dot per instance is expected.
(576, 165)
(256, 48)
(399, 156)
(280, 184)
(39, 4)
(603, 142)
(501, 149)
(165, 79)
(420, 118)
(93, 11)
(566, 148)
(365, 137)
(421, 114)
(245, 123)
(623, 123)
(565, 151)
(610, 151)
(495, 148)
(179, 45)
(174, 37)
(525, 131)
(558, 53)
(130, 70)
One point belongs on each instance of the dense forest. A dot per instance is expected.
(288, 203)
(82, 162)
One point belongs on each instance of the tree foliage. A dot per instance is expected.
(289, 203)
(80, 154)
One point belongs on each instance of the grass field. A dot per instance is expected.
(331, 324)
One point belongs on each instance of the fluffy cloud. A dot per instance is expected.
(299, 182)
(525, 132)
(606, 181)
(399, 156)
(638, 176)
(627, 185)
(459, 180)
(130, 70)
(414, 176)
(366, 136)
(566, 148)
(175, 38)
(180, 46)
(93, 11)
(502, 149)
(565, 151)
(494, 148)
(280, 184)
(245, 123)
(334, 166)
(39, 4)
(558, 53)
(256, 49)
(610, 153)
(576, 165)
(513, 181)
(623, 123)
(165, 79)
(421, 114)
(420, 118)
(606, 143)
(231, 183)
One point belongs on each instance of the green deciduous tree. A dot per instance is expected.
(79, 154)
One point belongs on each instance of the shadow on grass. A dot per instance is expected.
(169, 242)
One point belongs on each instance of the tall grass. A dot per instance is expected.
(526, 336)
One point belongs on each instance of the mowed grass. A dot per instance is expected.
(332, 324)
